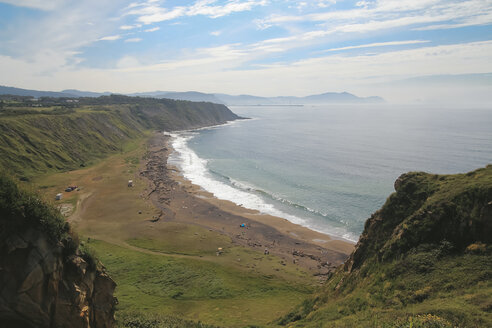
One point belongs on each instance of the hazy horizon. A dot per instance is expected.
(426, 51)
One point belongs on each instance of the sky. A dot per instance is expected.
(402, 50)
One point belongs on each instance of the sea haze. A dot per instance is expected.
(329, 167)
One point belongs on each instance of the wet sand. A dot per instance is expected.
(181, 201)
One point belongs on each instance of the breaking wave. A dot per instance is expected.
(242, 193)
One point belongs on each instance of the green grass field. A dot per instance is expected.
(169, 272)
(212, 292)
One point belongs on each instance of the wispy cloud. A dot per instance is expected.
(151, 12)
(153, 29)
(130, 27)
(35, 4)
(373, 17)
(110, 38)
(379, 44)
(387, 14)
(291, 44)
(66, 28)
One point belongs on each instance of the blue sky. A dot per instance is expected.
(402, 50)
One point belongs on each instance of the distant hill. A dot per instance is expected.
(249, 100)
(189, 96)
(218, 98)
(78, 93)
(31, 93)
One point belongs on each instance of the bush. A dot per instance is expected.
(21, 209)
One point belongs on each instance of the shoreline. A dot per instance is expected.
(181, 201)
(239, 199)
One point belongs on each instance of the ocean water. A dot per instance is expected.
(329, 167)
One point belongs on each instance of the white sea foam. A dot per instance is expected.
(195, 169)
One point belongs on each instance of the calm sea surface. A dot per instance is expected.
(330, 167)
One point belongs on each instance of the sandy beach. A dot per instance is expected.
(181, 201)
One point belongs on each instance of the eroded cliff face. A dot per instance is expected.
(41, 286)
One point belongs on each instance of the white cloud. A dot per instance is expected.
(382, 15)
(379, 44)
(133, 40)
(153, 29)
(110, 38)
(387, 14)
(129, 27)
(64, 30)
(209, 68)
(36, 4)
(151, 12)
(325, 3)
(216, 33)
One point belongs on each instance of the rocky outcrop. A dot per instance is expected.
(40, 286)
(451, 211)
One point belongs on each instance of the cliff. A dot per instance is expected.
(56, 135)
(423, 260)
(46, 278)
(428, 209)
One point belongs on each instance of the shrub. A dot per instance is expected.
(21, 209)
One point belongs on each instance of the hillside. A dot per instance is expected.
(59, 134)
(423, 260)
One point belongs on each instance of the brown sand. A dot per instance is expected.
(181, 201)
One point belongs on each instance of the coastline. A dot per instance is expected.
(181, 201)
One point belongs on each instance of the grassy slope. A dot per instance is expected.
(50, 139)
(162, 271)
(424, 260)
(154, 264)
(30, 144)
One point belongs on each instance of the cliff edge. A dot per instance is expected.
(423, 260)
(46, 278)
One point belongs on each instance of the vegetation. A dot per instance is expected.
(423, 260)
(21, 209)
(56, 135)
(141, 320)
(167, 270)
(153, 285)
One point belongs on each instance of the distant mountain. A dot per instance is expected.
(31, 93)
(218, 98)
(325, 98)
(244, 100)
(189, 96)
(78, 93)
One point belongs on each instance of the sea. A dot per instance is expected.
(329, 167)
